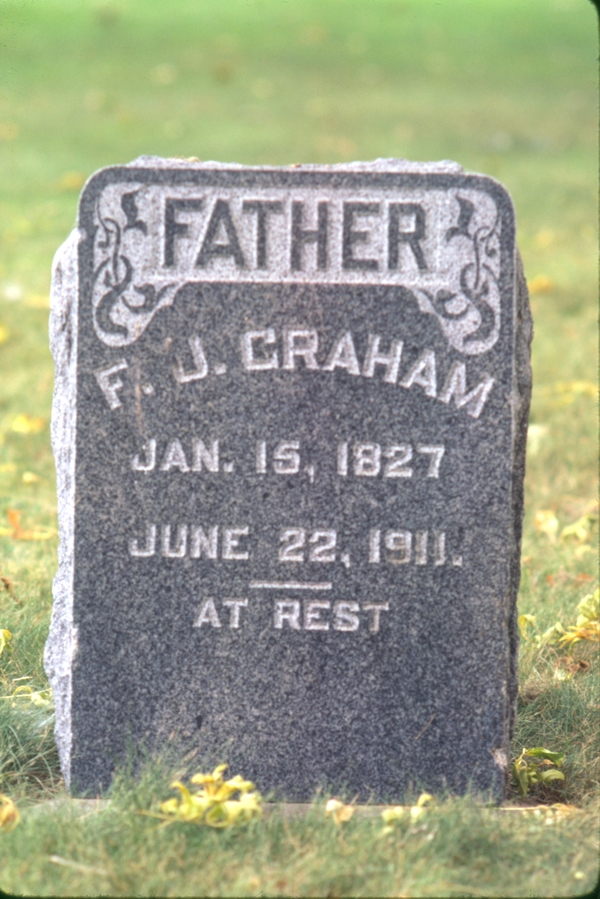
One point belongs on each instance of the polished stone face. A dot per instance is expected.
(289, 427)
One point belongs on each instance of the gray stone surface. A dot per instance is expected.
(289, 427)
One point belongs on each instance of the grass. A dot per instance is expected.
(504, 87)
(459, 850)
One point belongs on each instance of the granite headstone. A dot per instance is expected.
(289, 426)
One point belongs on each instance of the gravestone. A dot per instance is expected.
(289, 426)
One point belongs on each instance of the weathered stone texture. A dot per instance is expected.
(289, 427)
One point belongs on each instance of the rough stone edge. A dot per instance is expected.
(445, 166)
(520, 402)
(391, 164)
(61, 644)
(520, 412)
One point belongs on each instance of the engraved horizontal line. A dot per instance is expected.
(288, 585)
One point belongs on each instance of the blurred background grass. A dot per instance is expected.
(505, 87)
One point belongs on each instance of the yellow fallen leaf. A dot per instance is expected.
(5, 638)
(589, 606)
(211, 782)
(9, 813)
(37, 697)
(540, 284)
(40, 534)
(14, 519)
(29, 477)
(391, 815)
(562, 808)
(418, 809)
(546, 521)
(213, 804)
(27, 424)
(233, 811)
(524, 621)
(339, 812)
(18, 533)
(551, 636)
(581, 529)
(575, 634)
(587, 626)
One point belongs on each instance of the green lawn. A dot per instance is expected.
(505, 87)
